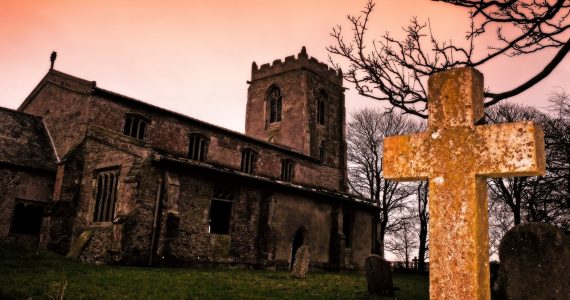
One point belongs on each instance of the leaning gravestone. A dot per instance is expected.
(379, 276)
(80, 244)
(535, 261)
(301, 265)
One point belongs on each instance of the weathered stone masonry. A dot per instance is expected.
(179, 193)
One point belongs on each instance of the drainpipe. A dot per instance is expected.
(155, 222)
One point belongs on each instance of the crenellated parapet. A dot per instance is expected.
(301, 62)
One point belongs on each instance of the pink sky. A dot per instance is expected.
(194, 57)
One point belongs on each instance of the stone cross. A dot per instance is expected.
(457, 156)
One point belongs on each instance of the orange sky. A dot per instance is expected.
(194, 57)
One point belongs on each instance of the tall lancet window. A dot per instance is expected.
(275, 100)
(105, 195)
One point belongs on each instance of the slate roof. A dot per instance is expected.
(24, 141)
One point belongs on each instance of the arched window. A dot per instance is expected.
(275, 100)
(321, 107)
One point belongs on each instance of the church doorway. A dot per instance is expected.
(299, 239)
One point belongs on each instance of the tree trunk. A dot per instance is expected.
(422, 247)
(517, 213)
(381, 238)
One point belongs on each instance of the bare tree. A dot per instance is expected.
(403, 241)
(422, 213)
(560, 103)
(396, 71)
(365, 137)
(557, 140)
(500, 221)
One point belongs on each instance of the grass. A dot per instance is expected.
(37, 274)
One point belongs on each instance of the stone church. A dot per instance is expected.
(143, 185)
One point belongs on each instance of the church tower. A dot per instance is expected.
(299, 103)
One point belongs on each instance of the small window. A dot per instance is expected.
(321, 107)
(286, 170)
(197, 147)
(27, 218)
(105, 195)
(248, 157)
(221, 210)
(275, 99)
(135, 126)
(322, 151)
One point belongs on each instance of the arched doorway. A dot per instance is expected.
(299, 239)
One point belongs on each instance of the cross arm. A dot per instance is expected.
(405, 158)
(511, 149)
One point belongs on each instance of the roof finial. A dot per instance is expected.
(52, 58)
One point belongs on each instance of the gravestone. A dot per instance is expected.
(535, 263)
(79, 244)
(457, 156)
(379, 276)
(302, 259)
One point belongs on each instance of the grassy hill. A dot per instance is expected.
(38, 274)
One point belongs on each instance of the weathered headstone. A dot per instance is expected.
(379, 275)
(457, 156)
(535, 263)
(302, 259)
(79, 245)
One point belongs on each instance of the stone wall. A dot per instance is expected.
(362, 237)
(293, 212)
(74, 205)
(169, 134)
(189, 240)
(57, 228)
(18, 183)
(63, 103)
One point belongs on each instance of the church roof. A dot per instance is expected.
(24, 141)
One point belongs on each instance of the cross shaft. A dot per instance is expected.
(456, 157)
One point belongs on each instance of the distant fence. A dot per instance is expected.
(408, 267)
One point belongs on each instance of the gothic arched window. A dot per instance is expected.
(275, 100)
(321, 107)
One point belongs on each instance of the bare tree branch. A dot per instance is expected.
(395, 71)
